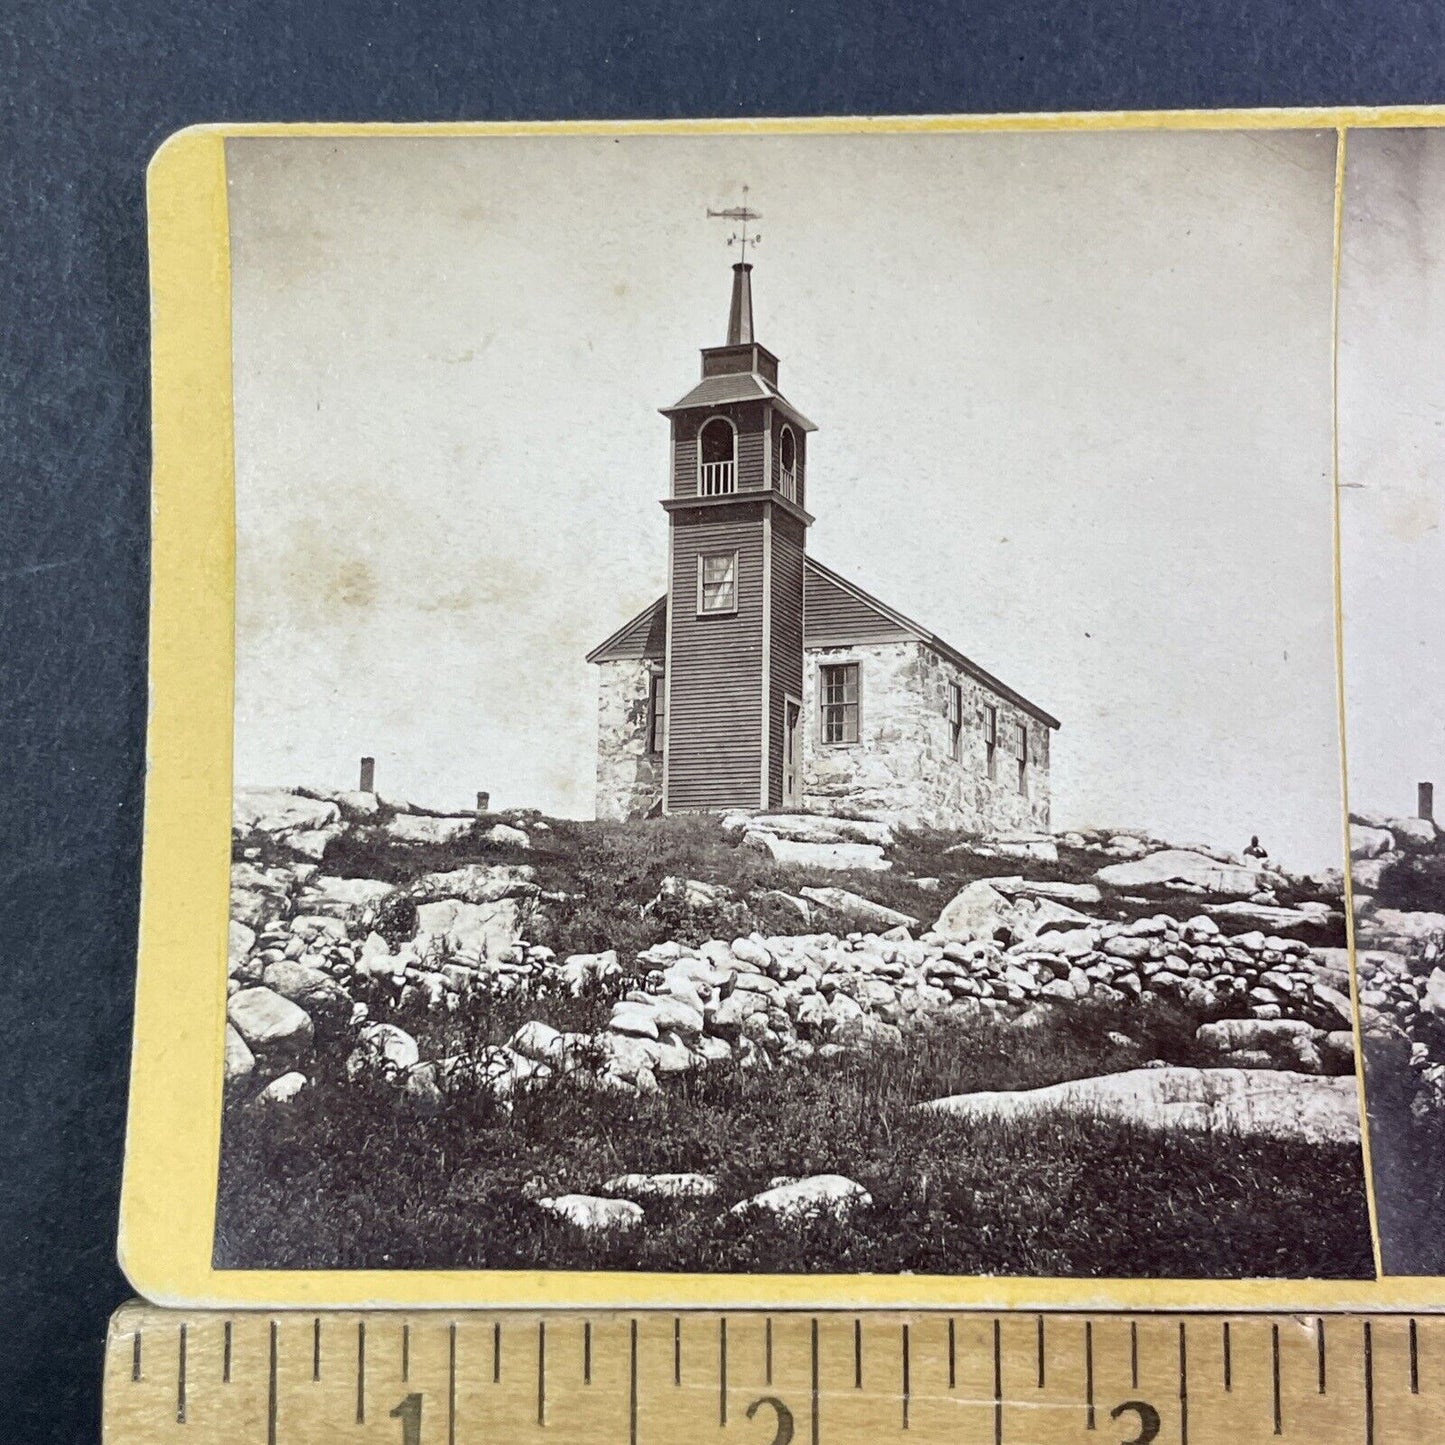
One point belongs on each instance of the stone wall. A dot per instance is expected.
(901, 768)
(629, 778)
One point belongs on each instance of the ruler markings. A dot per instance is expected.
(632, 1388)
(1289, 1387)
(813, 1377)
(271, 1392)
(722, 1371)
(1369, 1386)
(906, 1383)
(997, 1383)
(1183, 1386)
(1274, 1372)
(181, 1378)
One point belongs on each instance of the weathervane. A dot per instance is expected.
(742, 214)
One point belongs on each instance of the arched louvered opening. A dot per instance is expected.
(788, 464)
(717, 458)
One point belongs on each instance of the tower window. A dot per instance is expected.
(788, 464)
(717, 582)
(990, 739)
(840, 702)
(717, 458)
(955, 721)
(1021, 752)
(656, 711)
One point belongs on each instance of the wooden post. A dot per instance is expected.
(368, 775)
(1425, 794)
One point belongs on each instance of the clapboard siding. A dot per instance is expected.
(716, 668)
(832, 614)
(684, 456)
(751, 423)
(785, 674)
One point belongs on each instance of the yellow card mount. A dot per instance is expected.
(645, 1378)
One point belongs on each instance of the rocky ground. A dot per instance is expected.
(1398, 876)
(382, 944)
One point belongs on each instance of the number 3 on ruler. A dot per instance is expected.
(1149, 1422)
(409, 1413)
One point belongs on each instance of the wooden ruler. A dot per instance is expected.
(786, 1378)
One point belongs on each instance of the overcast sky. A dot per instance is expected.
(1073, 394)
(1392, 464)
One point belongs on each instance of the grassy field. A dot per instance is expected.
(349, 1176)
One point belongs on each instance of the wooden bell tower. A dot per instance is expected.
(734, 666)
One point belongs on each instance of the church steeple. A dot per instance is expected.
(740, 313)
(733, 669)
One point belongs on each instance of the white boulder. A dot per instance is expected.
(411, 828)
(1182, 866)
(282, 1090)
(383, 1046)
(277, 1031)
(662, 1186)
(592, 1212)
(802, 1198)
(860, 909)
(861, 857)
(1277, 1104)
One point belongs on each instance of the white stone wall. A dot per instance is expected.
(901, 767)
(629, 778)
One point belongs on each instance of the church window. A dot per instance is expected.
(990, 739)
(656, 712)
(1021, 752)
(717, 582)
(717, 458)
(955, 720)
(840, 702)
(788, 464)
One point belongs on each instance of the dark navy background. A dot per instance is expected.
(87, 92)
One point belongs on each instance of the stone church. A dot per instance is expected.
(762, 679)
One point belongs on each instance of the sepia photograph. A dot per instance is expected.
(786, 706)
(1392, 562)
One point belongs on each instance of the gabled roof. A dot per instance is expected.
(864, 618)
(734, 386)
(645, 636)
(836, 613)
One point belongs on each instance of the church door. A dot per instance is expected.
(792, 760)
